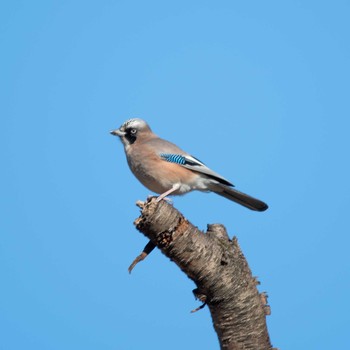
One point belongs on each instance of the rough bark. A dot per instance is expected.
(218, 267)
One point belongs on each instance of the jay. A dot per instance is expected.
(165, 169)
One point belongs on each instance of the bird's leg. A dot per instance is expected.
(174, 188)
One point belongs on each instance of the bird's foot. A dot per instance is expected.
(167, 199)
(159, 198)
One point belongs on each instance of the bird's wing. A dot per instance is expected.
(194, 164)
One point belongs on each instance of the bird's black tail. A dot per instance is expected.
(240, 198)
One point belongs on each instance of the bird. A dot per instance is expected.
(165, 169)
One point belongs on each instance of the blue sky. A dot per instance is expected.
(259, 91)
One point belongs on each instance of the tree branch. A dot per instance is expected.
(218, 267)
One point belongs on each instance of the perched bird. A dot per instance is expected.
(165, 169)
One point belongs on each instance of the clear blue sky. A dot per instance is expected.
(259, 91)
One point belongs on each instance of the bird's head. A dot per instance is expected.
(132, 130)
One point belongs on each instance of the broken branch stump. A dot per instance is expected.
(218, 267)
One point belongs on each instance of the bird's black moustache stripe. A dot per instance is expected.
(131, 138)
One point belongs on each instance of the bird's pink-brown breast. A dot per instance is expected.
(155, 173)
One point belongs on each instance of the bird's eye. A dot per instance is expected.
(133, 131)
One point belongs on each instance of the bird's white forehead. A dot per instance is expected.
(133, 123)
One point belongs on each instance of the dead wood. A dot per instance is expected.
(219, 269)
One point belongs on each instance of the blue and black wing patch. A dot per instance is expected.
(193, 164)
(173, 158)
(180, 159)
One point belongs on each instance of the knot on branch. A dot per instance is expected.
(218, 231)
(164, 239)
